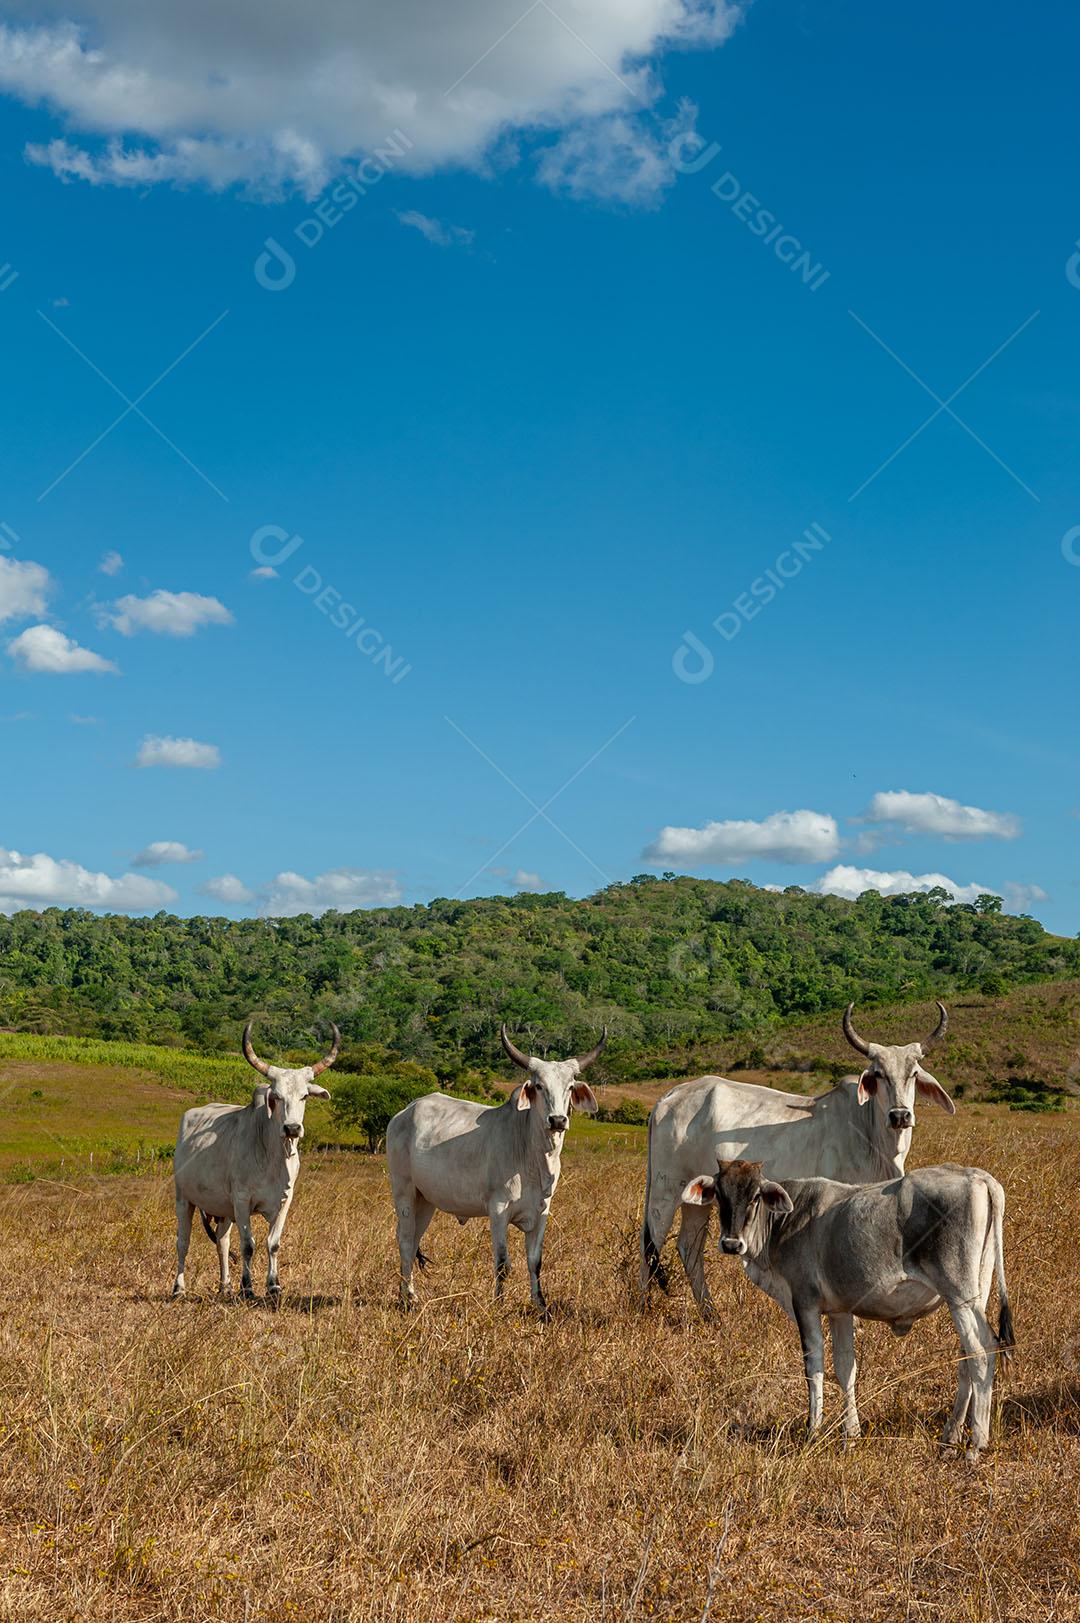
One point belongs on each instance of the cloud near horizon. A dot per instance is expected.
(40, 881)
(341, 888)
(278, 97)
(160, 852)
(928, 813)
(850, 882)
(798, 836)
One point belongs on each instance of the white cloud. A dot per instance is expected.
(798, 836)
(187, 752)
(937, 814)
(443, 236)
(160, 852)
(280, 95)
(41, 881)
(84, 721)
(341, 888)
(1019, 898)
(169, 614)
(264, 572)
(228, 889)
(47, 651)
(24, 589)
(111, 564)
(617, 156)
(844, 880)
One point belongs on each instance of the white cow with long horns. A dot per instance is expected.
(858, 1132)
(495, 1161)
(232, 1161)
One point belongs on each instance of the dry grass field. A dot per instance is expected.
(338, 1460)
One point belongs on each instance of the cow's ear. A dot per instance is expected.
(931, 1089)
(525, 1093)
(867, 1085)
(269, 1101)
(699, 1192)
(315, 1092)
(775, 1196)
(584, 1098)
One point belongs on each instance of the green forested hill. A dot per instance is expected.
(668, 963)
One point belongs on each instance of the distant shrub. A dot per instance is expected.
(627, 1113)
(369, 1103)
(1027, 1093)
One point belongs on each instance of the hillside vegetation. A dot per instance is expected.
(672, 965)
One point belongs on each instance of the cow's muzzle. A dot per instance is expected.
(899, 1119)
(732, 1248)
(558, 1124)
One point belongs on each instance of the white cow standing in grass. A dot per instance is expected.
(858, 1132)
(232, 1161)
(496, 1161)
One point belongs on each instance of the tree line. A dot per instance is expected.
(667, 963)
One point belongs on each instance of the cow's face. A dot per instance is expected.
(551, 1088)
(893, 1077)
(286, 1095)
(744, 1200)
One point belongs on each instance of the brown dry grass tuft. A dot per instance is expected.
(337, 1460)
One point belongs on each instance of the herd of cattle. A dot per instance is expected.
(811, 1194)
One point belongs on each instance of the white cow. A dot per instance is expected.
(858, 1132)
(234, 1160)
(495, 1161)
(889, 1251)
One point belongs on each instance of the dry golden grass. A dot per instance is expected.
(337, 1460)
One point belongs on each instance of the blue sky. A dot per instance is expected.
(550, 395)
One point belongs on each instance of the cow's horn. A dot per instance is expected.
(940, 1029)
(250, 1054)
(329, 1059)
(594, 1053)
(513, 1053)
(852, 1035)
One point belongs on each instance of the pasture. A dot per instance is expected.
(339, 1460)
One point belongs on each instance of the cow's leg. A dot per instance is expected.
(955, 1423)
(273, 1246)
(979, 1346)
(693, 1232)
(500, 1251)
(185, 1211)
(224, 1230)
(242, 1213)
(842, 1335)
(813, 1346)
(660, 1208)
(534, 1252)
(409, 1204)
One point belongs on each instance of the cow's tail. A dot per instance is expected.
(1006, 1334)
(652, 1268)
(210, 1228)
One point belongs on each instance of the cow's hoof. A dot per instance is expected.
(247, 1295)
(177, 1294)
(273, 1298)
(851, 1439)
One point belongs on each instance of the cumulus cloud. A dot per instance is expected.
(182, 752)
(844, 880)
(1019, 898)
(340, 888)
(228, 889)
(264, 572)
(160, 852)
(936, 814)
(24, 589)
(111, 564)
(169, 614)
(42, 881)
(443, 236)
(798, 836)
(279, 96)
(48, 652)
